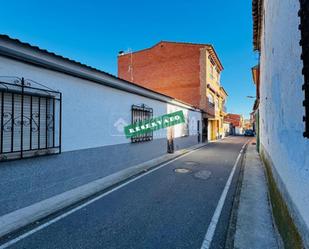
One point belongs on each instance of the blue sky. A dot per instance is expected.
(94, 31)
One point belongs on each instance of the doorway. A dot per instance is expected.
(198, 131)
(170, 140)
(205, 130)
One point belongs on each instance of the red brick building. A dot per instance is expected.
(173, 68)
(234, 119)
(186, 71)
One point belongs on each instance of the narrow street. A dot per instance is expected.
(154, 124)
(162, 209)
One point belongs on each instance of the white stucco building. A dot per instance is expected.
(74, 115)
(283, 102)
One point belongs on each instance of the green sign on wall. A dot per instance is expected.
(154, 124)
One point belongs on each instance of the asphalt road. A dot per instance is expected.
(163, 209)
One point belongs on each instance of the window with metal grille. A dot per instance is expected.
(30, 120)
(304, 28)
(139, 114)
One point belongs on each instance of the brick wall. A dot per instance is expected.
(169, 68)
(234, 119)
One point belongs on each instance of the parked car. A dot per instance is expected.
(249, 133)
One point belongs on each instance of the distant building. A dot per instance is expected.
(247, 124)
(227, 129)
(281, 36)
(186, 71)
(236, 123)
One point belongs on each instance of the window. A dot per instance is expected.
(216, 103)
(224, 105)
(139, 114)
(212, 67)
(210, 99)
(304, 28)
(30, 120)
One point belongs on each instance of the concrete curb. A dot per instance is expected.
(229, 241)
(22, 217)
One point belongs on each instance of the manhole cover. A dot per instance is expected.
(203, 174)
(191, 163)
(182, 170)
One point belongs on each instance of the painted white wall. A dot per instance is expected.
(238, 130)
(281, 109)
(209, 129)
(93, 115)
(194, 117)
(191, 116)
(226, 129)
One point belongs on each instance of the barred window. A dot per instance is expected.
(139, 114)
(30, 120)
(304, 28)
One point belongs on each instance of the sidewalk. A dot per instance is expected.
(254, 227)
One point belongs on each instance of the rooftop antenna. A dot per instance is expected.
(130, 69)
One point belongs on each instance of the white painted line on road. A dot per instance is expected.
(215, 218)
(23, 236)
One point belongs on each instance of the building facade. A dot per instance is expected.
(217, 99)
(74, 115)
(255, 115)
(236, 123)
(186, 71)
(281, 29)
